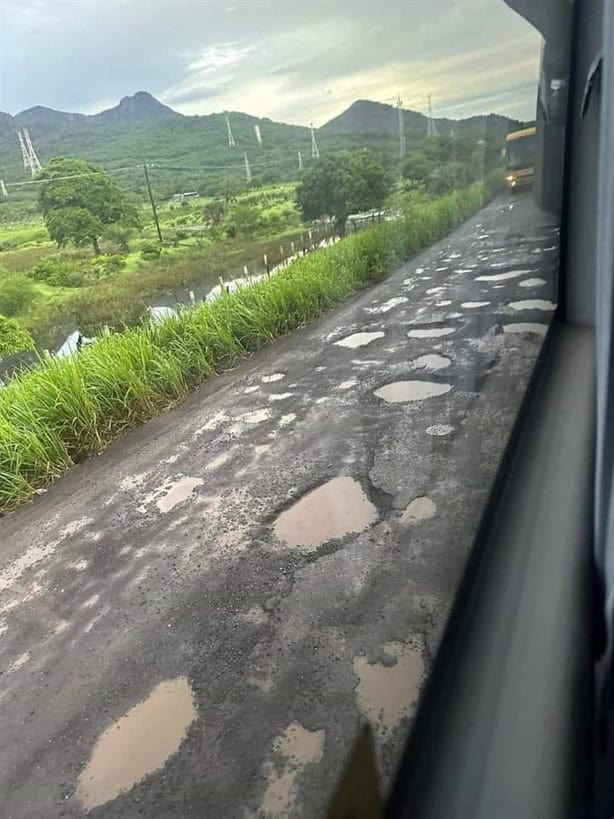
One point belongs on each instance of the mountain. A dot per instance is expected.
(367, 117)
(192, 152)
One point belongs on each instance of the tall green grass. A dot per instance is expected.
(64, 410)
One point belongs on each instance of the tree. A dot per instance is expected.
(243, 220)
(16, 293)
(79, 201)
(343, 183)
(214, 212)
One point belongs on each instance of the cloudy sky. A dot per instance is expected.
(297, 61)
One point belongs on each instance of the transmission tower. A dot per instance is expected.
(3, 188)
(248, 170)
(258, 135)
(24, 151)
(34, 161)
(231, 139)
(300, 161)
(401, 128)
(315, 153)
(431, 128)
(453, 149)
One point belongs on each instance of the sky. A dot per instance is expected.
(296, 61)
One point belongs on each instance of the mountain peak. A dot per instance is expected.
(140, 106)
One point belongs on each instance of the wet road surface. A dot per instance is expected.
(197, 621)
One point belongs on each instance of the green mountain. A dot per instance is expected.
(192, 152)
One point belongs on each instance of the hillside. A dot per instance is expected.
(192, 153)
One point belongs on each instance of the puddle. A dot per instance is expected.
(132, 482)
(472, 305)
(249, 390)
(401, 391)
(214, 422)
(385, 694)
(280, 396)
(359, 339)
(536, 282)
(255, 417)
(532, 304)
(419, 509)
(526, 327)
(439, 430)
(431, 332)
(464, 270)
(432, 290)
(432, 361)
(177, 492)
(347, 385)
(337, 508)
(502, 277)
(444, 303)
(296, 748)
(270, 379)
(386, 306)
(137, 744)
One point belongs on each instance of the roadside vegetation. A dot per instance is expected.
(64, 410)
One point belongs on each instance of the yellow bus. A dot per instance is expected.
(519, 158)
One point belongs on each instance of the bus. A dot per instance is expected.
(519, 158)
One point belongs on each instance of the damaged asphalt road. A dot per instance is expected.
(197, 621)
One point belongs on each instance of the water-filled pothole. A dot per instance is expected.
(337, 508)
(502, 277)
(402, 391)
(473, 305)
(359, 339)
(419, 509)
(137, 744)
(439, 430)
(432, 361)
(532, 304)
(526, 327)
(430, 332)
(534, 282)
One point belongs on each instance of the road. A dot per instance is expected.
(191, 625)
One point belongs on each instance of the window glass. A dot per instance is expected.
(273, 281)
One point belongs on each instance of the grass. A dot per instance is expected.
(65, 410)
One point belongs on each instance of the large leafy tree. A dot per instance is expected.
(79, 201)
(343, 183)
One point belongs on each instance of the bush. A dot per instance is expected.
(76, 272)
(13, 338)
(150, 251)
(16, 293)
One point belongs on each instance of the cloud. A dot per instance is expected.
(298, 61)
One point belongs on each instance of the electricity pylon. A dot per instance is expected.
(300, 161)
(431, 128)
(315, 153)
(401, 128)
(248, 171)
(231, 139)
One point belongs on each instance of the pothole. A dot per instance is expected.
(532, 304)
(177, 492)
(385, 694)
(419, 509)
(535, 282)
(296, 748)
(526, 327)
(386, 306)
(432, 361)
(359, 339)
(502, 277)
(402, 391)
(439, 430)
(430, 332)
(137, 744)
(337, 508)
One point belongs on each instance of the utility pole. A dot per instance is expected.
(431, 128)
(401, 128)
(300, 161)
(315, 153)
(153, 204)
